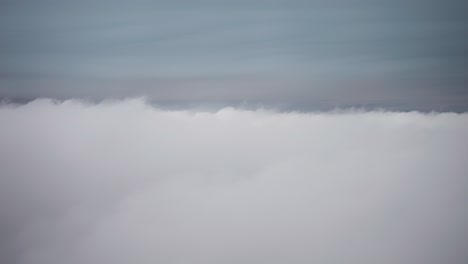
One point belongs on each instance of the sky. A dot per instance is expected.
(283, 54)
(227, 132)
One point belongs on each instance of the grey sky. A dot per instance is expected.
(292, 54)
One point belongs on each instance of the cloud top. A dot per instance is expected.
(124, 182)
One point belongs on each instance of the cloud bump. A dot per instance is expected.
(124, 182)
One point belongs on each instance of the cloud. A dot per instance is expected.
(124, 182)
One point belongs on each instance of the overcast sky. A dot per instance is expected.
(292, 54)
(228, 132)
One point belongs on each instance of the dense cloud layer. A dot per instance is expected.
(124, 182)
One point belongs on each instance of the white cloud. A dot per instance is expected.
(123, 182)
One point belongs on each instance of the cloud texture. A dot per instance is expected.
(303, 55)
(123, 182)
